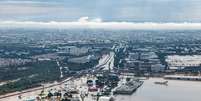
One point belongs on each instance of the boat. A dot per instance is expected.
(162, 83)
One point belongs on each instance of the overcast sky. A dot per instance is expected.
(107, 10)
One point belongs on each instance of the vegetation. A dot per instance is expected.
(43, 71)
(21, 51)
(81, 66)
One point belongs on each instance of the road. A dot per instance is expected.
(60, 68)
(103, 63)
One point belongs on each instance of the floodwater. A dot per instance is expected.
(174, 91)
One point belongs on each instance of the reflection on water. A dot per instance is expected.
(174, 91)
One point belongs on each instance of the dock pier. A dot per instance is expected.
(179, 77)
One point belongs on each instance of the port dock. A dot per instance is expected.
(179, 77)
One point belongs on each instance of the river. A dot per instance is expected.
(174, 91)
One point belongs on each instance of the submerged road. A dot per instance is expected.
(96, 68)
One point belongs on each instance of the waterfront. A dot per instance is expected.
(174, 91)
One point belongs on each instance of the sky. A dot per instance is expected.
(132, 11)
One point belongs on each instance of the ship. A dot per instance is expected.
(128, 88)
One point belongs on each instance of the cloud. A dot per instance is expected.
(110, 10)
(86, 23)
(27, 2)
(22, 8)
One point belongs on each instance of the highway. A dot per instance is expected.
(99, 67)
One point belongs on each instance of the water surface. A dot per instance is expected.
(175, 91)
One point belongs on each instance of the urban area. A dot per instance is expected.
(94, 64)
